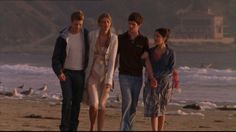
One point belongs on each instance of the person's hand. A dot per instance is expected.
(153, 83)
(107, 87)
(62, 77)
(112, 86)
(144, 56)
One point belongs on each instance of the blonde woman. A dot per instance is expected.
(102, 55)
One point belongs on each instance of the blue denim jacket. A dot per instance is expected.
(163, 67)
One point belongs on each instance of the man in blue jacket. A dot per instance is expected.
(69, 61)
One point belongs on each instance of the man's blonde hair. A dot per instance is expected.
(77, 15)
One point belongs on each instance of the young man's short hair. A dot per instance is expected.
(78, 15)
(135, 16)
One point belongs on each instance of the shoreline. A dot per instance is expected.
(191, 55)
(44, 115)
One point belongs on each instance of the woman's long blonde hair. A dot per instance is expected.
(104, 15)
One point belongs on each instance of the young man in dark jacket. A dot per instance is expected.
(131, 48)
(69, 61)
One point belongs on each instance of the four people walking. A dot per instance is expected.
(99, 51)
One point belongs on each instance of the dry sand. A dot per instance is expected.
(28, 115)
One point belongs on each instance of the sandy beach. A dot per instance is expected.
(44, 115)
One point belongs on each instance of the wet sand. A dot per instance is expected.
(44, 115)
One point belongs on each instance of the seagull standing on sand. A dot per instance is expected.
(13, 93)
(16, 94)
(44, 88)
(27, 92)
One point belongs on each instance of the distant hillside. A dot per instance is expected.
(32, 26)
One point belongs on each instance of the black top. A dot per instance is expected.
(130, 52)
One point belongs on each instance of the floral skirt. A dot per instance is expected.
(155, 100)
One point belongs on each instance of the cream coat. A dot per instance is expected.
(110, 56)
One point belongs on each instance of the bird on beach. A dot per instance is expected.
(27, 92)
(45, 95)
(44, 88)
(21, 86)
(207, 66)
(5, 93)
(13, 93)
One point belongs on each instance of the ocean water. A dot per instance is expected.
(197, 83)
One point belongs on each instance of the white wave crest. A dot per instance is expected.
(25, 68)
(206, 74)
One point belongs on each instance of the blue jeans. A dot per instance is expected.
(72, 93)
(130, 89)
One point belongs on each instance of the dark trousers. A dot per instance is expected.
(72, 93)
